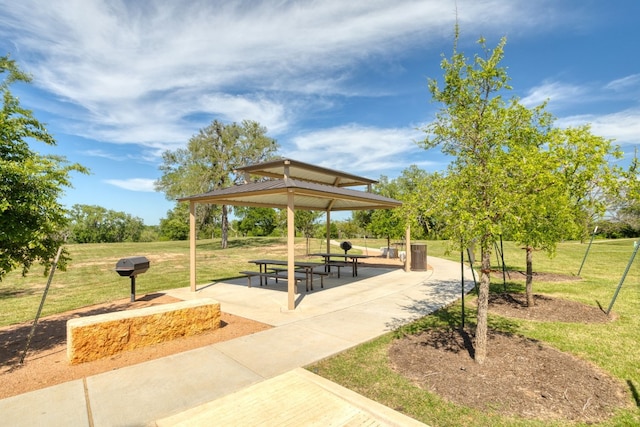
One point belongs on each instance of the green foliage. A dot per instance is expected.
(256, 221)
(585, 169)
(388, 223)
(32, 221)
(512, 173)
(96, 224)
(176, 225)
(422, 197)
(349, 228)
(305, 222)
(472, 128)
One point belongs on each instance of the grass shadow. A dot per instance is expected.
(634, 392)
(245, 242)
(18, 293)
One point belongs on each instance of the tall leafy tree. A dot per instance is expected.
(208, 163)
(32, 220)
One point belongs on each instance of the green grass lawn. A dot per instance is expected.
(614, 347)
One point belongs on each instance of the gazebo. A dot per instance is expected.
(292, 185)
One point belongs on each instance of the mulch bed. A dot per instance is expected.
(520, 377)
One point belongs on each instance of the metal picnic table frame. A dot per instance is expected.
(354, 260)
(307, 266)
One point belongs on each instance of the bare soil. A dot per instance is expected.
(520, 377)
(46, 361)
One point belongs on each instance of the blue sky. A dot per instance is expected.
(342, 84)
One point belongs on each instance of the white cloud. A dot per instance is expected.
(623, 127)
(556, 93)
(139, 72)
(133, 184)
(625, 83)
(359, 149)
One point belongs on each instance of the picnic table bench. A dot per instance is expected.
(273, 274)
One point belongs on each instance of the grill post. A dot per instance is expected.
(133, 288)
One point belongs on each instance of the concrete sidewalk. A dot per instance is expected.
(254, 379)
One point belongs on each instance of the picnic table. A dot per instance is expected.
(306, 266)
(353, 257)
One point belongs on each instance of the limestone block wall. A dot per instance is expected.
(94, 337)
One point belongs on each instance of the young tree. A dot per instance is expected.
(473, 129)
(564, 182)
(32, 221)
(511, 170)
(421, 199)
(209, 160)
(625, 204)
(305, 222)
(585, 169)
(388, 223)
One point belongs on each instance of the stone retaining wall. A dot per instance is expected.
(94, 337)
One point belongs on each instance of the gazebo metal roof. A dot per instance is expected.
(307, 196)
(305, 172)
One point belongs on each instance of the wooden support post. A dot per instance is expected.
(407, 248)
(192, 246)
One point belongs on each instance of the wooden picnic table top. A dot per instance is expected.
(284, 262)
(339, 255)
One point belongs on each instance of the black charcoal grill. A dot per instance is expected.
(346, 246)
(131, 267)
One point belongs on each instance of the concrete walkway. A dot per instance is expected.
(255, 379)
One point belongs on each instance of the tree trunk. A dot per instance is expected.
(483, 307)
(529, 283)
(225, 227)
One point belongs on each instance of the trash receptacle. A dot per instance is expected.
(418, 257)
